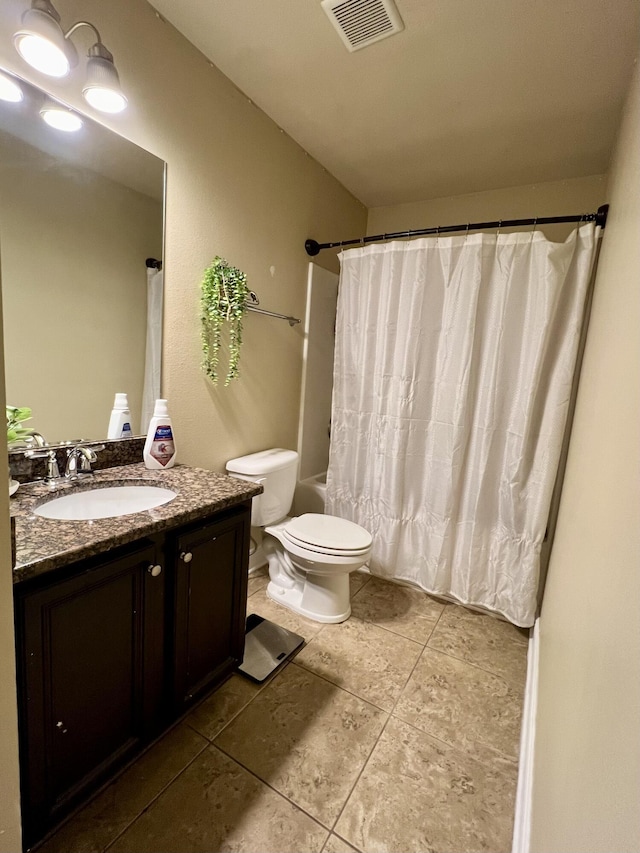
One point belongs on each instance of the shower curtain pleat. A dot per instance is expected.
(453, 369)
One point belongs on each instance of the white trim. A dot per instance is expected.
(522, 822)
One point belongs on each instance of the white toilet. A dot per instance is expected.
(310, 557)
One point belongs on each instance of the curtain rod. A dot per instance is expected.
(600, 218)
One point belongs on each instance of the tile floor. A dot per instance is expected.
(394, 732)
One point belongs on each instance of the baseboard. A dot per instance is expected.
(522, 822)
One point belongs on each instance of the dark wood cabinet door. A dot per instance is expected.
(92, 651)
(210, 585)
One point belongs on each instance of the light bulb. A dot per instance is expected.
(43, 55)
(10, 89)
(102, 89)
(41, 42)
(61, 119)
(105, 100)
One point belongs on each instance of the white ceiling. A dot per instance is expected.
(472, 95)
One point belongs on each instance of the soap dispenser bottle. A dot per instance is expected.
(120, 420)
(160, 447)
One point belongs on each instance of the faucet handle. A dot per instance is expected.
(36, 454)
(53, 472)
(87, 455)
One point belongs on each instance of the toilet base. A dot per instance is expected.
(323, 598)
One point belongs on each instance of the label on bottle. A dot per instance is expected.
(162, 447)
(126, 430)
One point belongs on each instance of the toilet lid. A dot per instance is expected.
(319, 531)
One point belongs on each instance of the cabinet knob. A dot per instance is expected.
(60, 725)
(154, 571)
(186, 556)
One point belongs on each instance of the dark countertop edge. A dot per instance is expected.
(145, 525)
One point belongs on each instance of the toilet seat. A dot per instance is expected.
(327, 534)
(330, 552)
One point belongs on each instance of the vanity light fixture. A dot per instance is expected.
(43, 44)
(102, 88)
(10, 89)
(60, 117)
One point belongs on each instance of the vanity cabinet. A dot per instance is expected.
(111, 650)
(91, 664)
(210, 590)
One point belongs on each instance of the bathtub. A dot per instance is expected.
(310, 494)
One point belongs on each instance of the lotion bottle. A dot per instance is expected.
(120, 421)
(160, 448)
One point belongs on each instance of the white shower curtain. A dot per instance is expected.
(453, 369)
(153, 357)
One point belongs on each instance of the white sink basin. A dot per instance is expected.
(109, 502)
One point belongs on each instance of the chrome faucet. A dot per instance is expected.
(37, 439)
(79, 459)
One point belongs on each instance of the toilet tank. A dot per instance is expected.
(276, 470)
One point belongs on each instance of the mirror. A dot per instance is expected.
(79, 215)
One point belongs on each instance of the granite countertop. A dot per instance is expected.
(44, 544)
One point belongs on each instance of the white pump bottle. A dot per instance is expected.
(120, 420)
(160, 447)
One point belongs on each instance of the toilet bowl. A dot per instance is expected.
(311, 556)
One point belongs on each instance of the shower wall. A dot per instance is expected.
(317, 371)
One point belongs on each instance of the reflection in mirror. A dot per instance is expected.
(79, 215)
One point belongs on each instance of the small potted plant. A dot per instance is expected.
(16, 433)
(16, 416)
(224, 294)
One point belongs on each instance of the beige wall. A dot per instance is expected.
(555, 198)
(236, 186)
(74, 282)
(587, 756)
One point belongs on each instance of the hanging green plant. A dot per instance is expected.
(223, 300)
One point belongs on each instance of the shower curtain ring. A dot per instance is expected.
(535, 223)
(466, 233)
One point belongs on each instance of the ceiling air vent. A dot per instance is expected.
(363, 22)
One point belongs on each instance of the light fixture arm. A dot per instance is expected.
(79, 24)
(98, 49)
